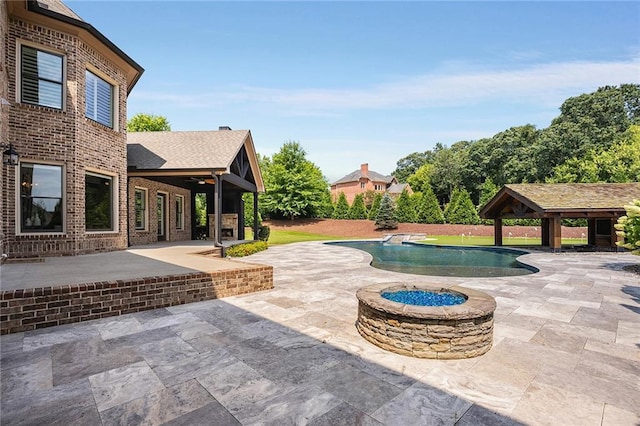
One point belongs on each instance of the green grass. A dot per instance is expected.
(287, 237)
(458, 240)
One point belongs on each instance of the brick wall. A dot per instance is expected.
(150, 235)
(30, 309)
(64, 137)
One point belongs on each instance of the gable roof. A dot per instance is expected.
(356, 175)
(397, 188)
(191, 151)
(550, 198)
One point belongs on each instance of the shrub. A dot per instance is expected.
(341, 209)
(386, 217)
(461, 209)
(264, 232)
(405, 210)
(628, 227)
(429, 210)
(375, 206)
(358, 209)
(246, 249)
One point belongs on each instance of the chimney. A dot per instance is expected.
(224, 128)
(364, 169)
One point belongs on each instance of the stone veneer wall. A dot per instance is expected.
(30, 309)
(438, 332)
(63, 137)
(150, 235)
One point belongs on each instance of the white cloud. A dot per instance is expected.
(546, 84)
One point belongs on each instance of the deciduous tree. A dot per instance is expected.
(148, 123)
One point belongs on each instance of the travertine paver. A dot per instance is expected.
(566, 351)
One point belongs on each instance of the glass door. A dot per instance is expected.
(162, 236)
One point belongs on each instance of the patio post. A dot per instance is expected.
(497, 231)
(255, 216)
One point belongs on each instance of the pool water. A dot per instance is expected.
(424, 297)
(452, 261)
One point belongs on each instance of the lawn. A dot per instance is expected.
(286, 237)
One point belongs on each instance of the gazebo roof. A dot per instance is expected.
(566, 199)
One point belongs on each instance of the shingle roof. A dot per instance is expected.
(572, 196)
(564, 198)
(397, 188)
(184, 150)
(355, 176)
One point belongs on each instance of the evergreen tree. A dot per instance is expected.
(405, 212)
(375, 206)
(341, 209)
(461, 209)
(385, 219)
(357, 209)
(429, 210)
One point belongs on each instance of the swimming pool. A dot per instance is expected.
(452, 261)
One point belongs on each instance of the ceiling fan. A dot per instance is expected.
(201, 181)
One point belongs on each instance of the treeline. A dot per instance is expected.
(594, 139)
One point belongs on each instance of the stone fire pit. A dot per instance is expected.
(442, 332)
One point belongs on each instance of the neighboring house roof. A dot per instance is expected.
(202, 151)
(55, 14)
(553, 198)
(355, 176)
(397, 188)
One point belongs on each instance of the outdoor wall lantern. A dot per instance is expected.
(10, 156)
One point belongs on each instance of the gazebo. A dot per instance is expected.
(600, 203)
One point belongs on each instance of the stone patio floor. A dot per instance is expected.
(566, 352)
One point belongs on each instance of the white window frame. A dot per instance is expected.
(145, 214)
(179, 219)
(49, 50)
(115, 92)
(18, 202)
(115, 200)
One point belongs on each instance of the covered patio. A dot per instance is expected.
(211, 167)
(601, 204)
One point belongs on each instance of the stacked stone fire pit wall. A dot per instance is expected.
(440, 332)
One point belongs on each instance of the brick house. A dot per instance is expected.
(63, 90)
(363, 180)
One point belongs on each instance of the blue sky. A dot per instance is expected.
(372, 82)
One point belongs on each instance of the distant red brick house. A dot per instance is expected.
(363, 180)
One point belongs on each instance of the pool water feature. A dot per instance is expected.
(453, 261)
(424, 297)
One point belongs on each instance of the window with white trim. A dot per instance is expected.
(141, 212)
(99, 202)
(41, 198)
(179, 212)
(377, 187)
(99, 99)
(41, 77)
(361, 185)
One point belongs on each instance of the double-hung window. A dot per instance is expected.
(179, 212)
(141, 209)
(99, 99)
(41, 77)
(99, 202)
(41, 191)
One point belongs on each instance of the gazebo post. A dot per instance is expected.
(255, 217)
(545, 232)
(555, 237)
(497, 231)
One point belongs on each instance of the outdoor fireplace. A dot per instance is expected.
(229, 226)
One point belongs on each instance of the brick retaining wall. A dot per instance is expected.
(30, 309)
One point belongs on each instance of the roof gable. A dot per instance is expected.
(519, 200)
(211, 151)
(356, 175)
